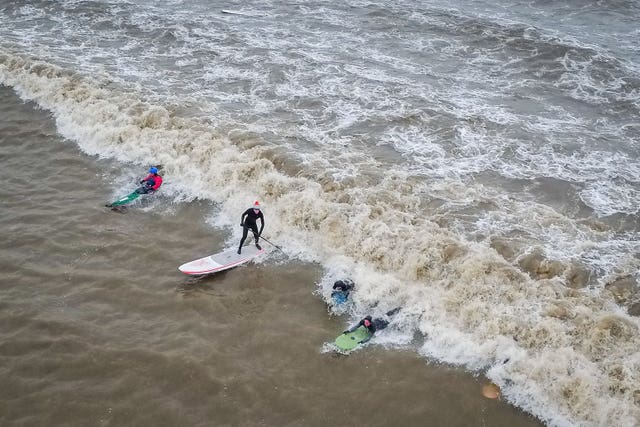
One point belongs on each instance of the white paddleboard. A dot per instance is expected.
(220, 261)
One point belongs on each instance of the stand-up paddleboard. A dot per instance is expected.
(351, 340)
(220, 261)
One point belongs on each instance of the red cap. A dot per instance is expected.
(367, 323)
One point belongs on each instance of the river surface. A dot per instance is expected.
(98, 327)
(474, 163)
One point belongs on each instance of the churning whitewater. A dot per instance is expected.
(476, 164)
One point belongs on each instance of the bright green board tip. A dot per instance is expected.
(126, 199)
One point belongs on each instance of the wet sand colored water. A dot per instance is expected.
(98, 327)
(473, 162)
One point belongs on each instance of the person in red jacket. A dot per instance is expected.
(151, 183)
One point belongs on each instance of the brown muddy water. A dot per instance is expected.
(98, 327)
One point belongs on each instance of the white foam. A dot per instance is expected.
(360, 212)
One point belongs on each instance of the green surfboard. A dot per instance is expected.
(125, 200)
(351, 340)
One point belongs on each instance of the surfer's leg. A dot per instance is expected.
(245, 232)
(256, 236)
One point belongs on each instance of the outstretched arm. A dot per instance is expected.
(354, 327)
(394, 311)
(365, 339)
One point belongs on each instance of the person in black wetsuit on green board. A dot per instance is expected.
(372, 325)
(249, 221)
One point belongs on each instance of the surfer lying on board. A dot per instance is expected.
(373, 325)
(151, 183)
(248, 221)
(341, 290)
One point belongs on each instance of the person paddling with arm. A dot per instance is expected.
(151, 183)
(248, 220)
(372, 325)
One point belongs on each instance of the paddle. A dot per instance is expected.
(272, 244)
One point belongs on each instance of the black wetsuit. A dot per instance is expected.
(248, 221)
(342, 287)
(147, 186)
(377, 324)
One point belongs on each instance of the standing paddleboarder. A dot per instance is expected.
(248, 221)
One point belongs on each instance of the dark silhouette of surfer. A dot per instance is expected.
(373, 324)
